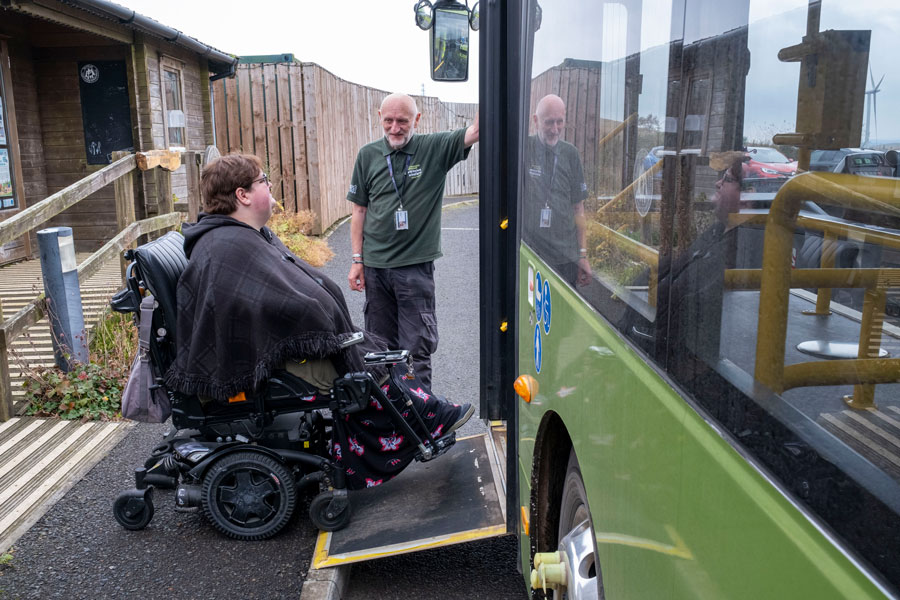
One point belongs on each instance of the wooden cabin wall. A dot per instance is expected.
(28, 125)
(197, 108)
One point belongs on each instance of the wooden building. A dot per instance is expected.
(81, 79)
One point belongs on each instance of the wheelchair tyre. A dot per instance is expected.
(318, 513)
(133, 520)
(248, 495)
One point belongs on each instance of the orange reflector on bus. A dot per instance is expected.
(525, 527)
(526, 387)
(241, 397)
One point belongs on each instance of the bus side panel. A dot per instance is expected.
(677, 512)
(624, 424)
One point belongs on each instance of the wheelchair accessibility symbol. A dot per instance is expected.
(537, 347)
(545, 316)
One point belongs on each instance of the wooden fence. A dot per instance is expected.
(306, 125)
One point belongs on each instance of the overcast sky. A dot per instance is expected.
(371, 42)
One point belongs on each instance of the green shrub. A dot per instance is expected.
(89, 391)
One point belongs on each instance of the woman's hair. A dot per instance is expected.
(736, 168)
(223, 176)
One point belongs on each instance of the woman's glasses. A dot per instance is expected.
(264, 179)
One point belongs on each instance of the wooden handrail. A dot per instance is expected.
(110, 250)
(35, 310)
(51, 206)
(654, 168)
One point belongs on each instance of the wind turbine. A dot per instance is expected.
(872, 105)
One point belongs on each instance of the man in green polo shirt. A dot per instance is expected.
(395, 228)
(555, 190)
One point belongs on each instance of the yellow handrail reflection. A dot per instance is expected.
(853, 191)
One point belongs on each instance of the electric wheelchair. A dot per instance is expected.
(244, 463)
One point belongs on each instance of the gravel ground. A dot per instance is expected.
(77, 550)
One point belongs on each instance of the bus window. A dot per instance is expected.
(690, 175)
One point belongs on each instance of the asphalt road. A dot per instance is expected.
(77, 550)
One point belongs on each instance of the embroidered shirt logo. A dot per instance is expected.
(414, 171)
(353, 189)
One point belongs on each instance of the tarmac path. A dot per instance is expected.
(77, 550)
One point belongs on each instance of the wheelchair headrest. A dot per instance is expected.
(159, 264)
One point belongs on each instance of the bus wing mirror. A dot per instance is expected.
(450, 42)
(424, 13)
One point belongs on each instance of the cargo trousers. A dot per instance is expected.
(400, 309)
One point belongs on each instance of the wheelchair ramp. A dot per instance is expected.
(458, 497)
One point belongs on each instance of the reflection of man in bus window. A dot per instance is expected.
(553, 211)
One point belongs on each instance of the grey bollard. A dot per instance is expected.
(61, 288)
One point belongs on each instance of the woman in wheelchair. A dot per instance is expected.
(247, 307)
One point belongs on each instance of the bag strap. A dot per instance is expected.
(146, 328)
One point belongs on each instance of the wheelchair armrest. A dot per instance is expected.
(352, 392)
(125, 301)
(353, 339)
(388, 357)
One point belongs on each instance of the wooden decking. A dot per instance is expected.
(20, 283)
(40, 459)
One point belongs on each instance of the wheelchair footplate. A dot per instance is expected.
(456, 499)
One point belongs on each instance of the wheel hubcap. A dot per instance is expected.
(578, 547)
(250, 497)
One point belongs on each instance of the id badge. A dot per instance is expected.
(545, 217)
(400, 220)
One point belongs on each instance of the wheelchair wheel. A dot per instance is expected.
(319, 515)
(248, 495)
(134, 509)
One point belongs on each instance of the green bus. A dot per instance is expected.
(703, 330)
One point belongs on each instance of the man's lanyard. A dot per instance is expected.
(391, 171)
(550, 186)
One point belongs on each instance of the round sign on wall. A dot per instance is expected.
(90, 73)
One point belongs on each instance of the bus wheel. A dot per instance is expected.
(576, 538)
